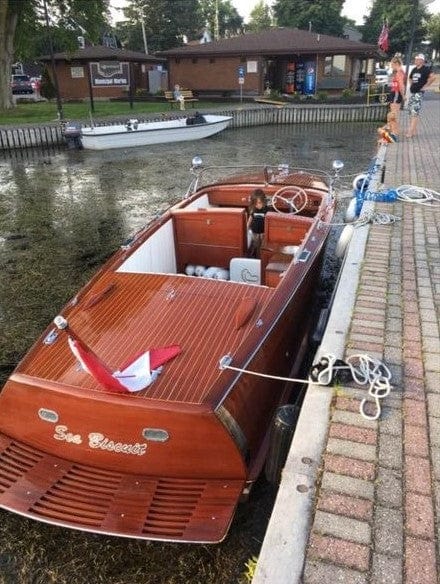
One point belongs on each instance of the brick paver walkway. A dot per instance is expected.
(377, 510)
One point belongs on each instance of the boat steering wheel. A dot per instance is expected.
(294, 197)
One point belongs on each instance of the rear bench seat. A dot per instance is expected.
(209, 237)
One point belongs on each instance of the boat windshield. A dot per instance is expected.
(271, 174)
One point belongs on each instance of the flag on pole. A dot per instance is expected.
(92, 365)
(136, 374)
(383, 41)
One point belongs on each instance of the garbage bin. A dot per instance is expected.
(281, 436)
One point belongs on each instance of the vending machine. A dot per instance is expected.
(289, 86)
(310, 78)
(299, 77)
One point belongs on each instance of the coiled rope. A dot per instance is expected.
(362, 368)
(403, 193)
(376, 218)
(418, 195)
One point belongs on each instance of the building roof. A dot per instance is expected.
(275, 41)
(103, 53)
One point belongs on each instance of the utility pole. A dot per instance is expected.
(216, 23)
(144, 35)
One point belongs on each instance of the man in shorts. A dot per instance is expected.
(420, 77)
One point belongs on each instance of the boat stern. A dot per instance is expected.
(53, 490)
(115, 465)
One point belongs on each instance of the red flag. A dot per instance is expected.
(135, 375)
(94, 367)
(382, 41)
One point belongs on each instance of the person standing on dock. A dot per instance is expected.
(421, 77)
(396, 96)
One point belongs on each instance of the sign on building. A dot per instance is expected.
(77, 72)
(110, 74)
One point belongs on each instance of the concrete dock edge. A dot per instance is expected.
(282, 555)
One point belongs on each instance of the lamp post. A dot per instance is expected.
(52, 60)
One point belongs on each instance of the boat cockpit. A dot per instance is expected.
(207, 235)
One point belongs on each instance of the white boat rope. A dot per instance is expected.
(418, 195)
(376, 218)
(363, 369)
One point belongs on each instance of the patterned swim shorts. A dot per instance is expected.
(415, 104)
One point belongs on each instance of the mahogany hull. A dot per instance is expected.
(168, 462)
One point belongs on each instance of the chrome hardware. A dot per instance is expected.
(48, 415)
(51, 337)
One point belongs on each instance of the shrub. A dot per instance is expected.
(347, 93)
(47, 88)
(275, 94)
(322, 95)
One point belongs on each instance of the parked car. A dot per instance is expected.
(21, 84)
(381, 77)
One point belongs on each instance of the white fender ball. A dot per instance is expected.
(350, 213)
(361, 182)
(221, 274)
(344, 240)
(209, 272)
(199, 270)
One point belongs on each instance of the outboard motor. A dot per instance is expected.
(72, 134)
(132, 124)
(197, 118)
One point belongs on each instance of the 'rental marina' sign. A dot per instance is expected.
(110, 74)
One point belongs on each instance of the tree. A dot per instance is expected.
(47, 87)
(22, 23)
(221, 18)
(399, 16)
(433, 37)
(323, 16)
(260, 18)
(167, 23)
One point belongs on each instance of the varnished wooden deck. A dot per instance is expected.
(144, 311)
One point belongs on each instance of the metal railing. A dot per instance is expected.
(377, 93)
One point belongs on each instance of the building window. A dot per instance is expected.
(177, 60)
(212, 60)
(194, 61)
(334, 65)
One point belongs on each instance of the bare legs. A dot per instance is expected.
(393, 118)
(412, 130)
(414, 107)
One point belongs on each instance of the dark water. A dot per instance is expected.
(61, 215)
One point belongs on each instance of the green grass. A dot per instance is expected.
(34, 113)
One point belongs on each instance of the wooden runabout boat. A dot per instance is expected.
(130, 416)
